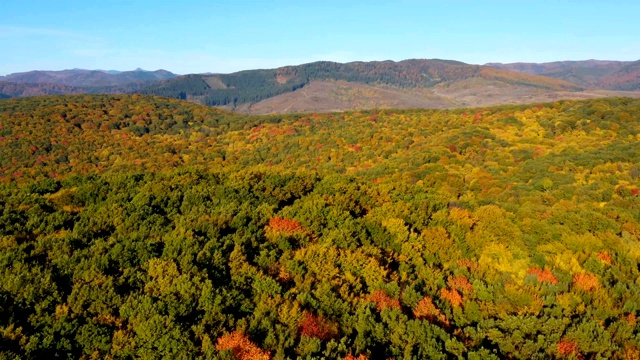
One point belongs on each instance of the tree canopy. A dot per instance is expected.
(142, 227)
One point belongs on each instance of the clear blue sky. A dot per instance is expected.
(224, 36)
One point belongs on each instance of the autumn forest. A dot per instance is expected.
(135, 226)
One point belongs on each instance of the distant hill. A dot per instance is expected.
(626, 78)
(14, 89)
(609, 75)
(78, 81)
(88, 78)
(241, 89)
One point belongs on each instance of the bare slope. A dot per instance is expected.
(326, 96)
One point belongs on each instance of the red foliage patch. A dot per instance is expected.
(605, 257)
(316, 326)
(466, 263)
(360, 357)
(425, 309)
(586, 281)
(241, 347)
(460, 283)
(543, 275)
(568, 347)
(632, 319)
(383, 300)
(285, 226)
(452, 296)
(257, 129)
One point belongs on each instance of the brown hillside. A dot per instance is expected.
(327, 96)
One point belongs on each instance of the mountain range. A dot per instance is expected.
(331, 86)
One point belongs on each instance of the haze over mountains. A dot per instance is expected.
(610, 75)
(331, 86)
(78, 81)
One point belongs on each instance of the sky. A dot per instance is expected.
(195, 36)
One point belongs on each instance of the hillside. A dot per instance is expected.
(410, 76)
(321, 96)
(138, 227)
(610, 75)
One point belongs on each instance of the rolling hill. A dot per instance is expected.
(610, 75)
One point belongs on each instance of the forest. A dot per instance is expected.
(143, 227)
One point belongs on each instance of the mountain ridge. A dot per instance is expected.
(334, 86)
(252, 86)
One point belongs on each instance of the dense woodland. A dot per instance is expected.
(143, 227)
